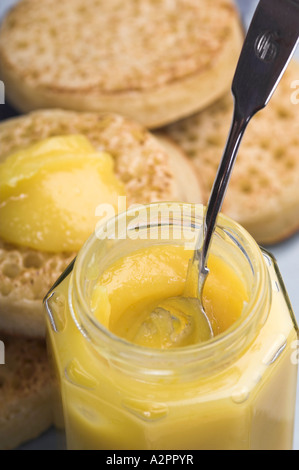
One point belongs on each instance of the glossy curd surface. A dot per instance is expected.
(127, 297)
(49, 193)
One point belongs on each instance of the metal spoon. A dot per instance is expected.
(269, 45)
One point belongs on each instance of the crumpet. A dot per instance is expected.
(263, 193)
(154, 61)
(26, 392)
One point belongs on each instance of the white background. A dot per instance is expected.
(287, 255)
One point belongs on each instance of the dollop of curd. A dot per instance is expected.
(49, 193)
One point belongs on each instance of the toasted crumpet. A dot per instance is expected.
(141, 163)
(154, 61)
(263, 194)
(26, 392)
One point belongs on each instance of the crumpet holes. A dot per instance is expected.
(290, 164)
(279, 153)
(283, 113)
(5, 290)
(11, 270)
(33, 260)
(246, 187)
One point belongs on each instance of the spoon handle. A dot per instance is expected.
(269, 45)
(237, 130)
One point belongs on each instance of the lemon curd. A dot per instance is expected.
(127, 294)
(50, 190)
(131, 379)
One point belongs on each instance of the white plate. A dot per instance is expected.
(287, 255)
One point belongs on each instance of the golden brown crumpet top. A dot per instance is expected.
(263, 193)
(154, 60)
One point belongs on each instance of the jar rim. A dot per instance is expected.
(241, 333)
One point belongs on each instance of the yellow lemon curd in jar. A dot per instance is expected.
(126, 296)
(115, 400)
(50, 190)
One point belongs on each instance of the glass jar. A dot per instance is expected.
(236, 391)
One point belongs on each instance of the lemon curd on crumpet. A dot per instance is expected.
(130, 378)
(50, 190)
